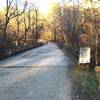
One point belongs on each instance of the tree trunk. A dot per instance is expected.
(4, 40)
(36, 26)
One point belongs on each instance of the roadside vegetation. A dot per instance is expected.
(84, 85)
(71, 24)
(20, 26)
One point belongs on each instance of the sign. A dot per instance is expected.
(84, 56)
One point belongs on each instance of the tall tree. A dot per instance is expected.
(36, 11)
(10, 14)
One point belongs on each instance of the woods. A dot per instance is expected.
(77, 22)
(19, 25)
(68, 60)
(74, 24)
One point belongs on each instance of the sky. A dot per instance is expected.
(42, 2)
(44, 5)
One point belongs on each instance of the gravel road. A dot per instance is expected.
(38, 74)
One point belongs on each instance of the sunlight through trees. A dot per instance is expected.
(23, 23)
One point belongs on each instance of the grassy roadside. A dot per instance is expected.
(84, 85)
(98, 79)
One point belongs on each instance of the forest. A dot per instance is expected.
(41, 43)
(72, 23)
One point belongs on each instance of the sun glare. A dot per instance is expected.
(44, 5)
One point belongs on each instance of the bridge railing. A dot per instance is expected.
(13, 50)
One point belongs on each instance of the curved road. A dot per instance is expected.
(38, 74)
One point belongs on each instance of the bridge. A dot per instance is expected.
(37, 74)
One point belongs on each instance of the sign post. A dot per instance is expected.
(85, 55)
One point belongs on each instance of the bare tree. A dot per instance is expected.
(18, 21)
(36, 11)
(27, 24)
(10, 14)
